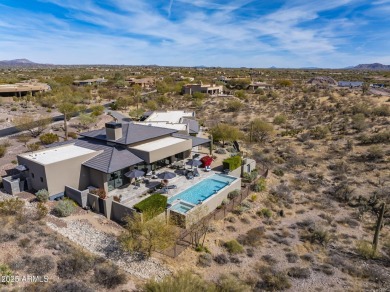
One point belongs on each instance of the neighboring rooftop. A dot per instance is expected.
(131, 133)
(49, 156)
(174, 126)
(24, 87)
(169, 116)
(161, 143)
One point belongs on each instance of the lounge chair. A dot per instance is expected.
(207, 168)
(171, 187)
(196, 173)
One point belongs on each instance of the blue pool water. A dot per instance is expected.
(181, 207)
(201, 191)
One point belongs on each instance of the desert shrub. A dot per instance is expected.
(250, 252)
(272, 279)
(4, 272)
(183, 281)
(70, 286)
(152, 206)
(280, 119)
(252, 237)
(205, 260)
(97, 110)
(72, 135)
(71, 265)
(383, 137)
(260, 185)
(41, 265)
(48, 138)
(24, 242)
(365, 249)
(42, 195)
(234, 105)
(317, 235)
(42, 210)
(3, 150)
(278, 172)
(221, 259)
(267, 213)
(269, 259)
(109, 276)
(325, 268)
(359, 122)
(233, 194)
(319, 132)
(232, 284)
(292, 257)
(308, 257)
(341, 192)
(33, 146)
(233, 247)
(8, 235)
(373, 153)
(64, 208)
(11, 206)
(298, 272)
(282, 192)
(382, 111)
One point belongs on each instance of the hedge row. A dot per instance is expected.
(232, 163)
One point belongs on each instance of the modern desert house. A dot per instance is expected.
(100, 158)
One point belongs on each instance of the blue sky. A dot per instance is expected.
(226, 33)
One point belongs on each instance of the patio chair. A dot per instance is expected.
(137, 185)
(196, 173)
(190, 175)
(207, 168)
(164, 190)
(171, 187)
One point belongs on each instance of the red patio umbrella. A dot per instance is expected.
(206, 160)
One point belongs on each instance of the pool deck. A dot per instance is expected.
(132, 195)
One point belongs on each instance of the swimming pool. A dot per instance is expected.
(200, 192)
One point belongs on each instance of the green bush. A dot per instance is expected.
(42, 195)
(11, 206)
(319, 132)
(48, 138)
(232, 163)
(4, 272)
(72, 135)
(152, 206)
(365, 249)
(3, 150)
(234, 105)
(97, 110)
(184, 281)
(233, 247)
(278, 172)
(64, 208)
(109, 276)
(233, 194)
(260, 185)
(42, 210)
(267, 213)
(280, 119)
(383, 137)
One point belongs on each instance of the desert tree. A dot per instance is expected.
(35, 126)
(260, 131)
(67, 109)
(224, 132)
(147, 236)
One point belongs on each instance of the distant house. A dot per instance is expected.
(22, 88)
(259, 85)
(182, 121)
(350, 84)
(202, 88)
(95, 81)
(145, 83)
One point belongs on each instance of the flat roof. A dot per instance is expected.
(169, 116)
(161, 143)
(174, 126)
(57, 154)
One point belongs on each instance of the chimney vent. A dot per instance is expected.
(113, 131)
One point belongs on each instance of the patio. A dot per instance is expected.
(131, 194)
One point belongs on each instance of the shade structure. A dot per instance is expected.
(194, 162)
(21, 167)
(206, 160)
(134, 173)
(166, 175)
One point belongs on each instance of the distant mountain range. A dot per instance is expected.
(374, 66)
(21, 63)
